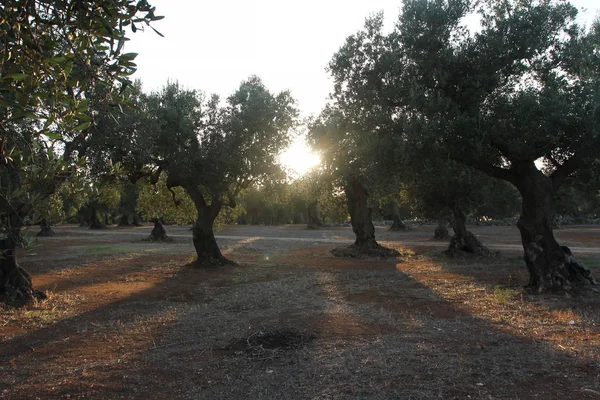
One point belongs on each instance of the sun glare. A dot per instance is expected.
(299, 158)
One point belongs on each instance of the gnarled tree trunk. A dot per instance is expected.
(362, 225)
(464, 241)
(94, 221)
(15, 282)
(207, 249)
(45, 229)
(398, 224)
(158, 233)
(550, 265)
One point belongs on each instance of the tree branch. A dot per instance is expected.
(564, 170)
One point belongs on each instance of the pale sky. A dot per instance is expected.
(214, 45)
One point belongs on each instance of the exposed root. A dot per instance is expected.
(46, 232)
(158, 234)
(468, 244)
(399, 225)
(17, 289)
(558, 270)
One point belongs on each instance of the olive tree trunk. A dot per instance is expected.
(362, 225)
(397, 224)
(464, 241)
(551, 266)
(314, 221)
(15, 282)
(158, 233)
(441, 230)
(206, 246)
(45, 229)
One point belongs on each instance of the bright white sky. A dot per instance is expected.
(214, 45)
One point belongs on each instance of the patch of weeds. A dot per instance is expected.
(265, 344)
(504, 295)
(39, 313)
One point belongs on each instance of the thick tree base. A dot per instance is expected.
(158, 238)
(557, 271)
(210, 261)
(46, 232)
(313, 226)
(158, 234)
(468, 244)
(441, 233)
(399, 226)
(97, 225)
(16, 288)
(365, 251)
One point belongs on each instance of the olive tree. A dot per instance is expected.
(524, 86)
(51, 54)
(215, 150)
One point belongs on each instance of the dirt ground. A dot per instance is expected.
(129, 319)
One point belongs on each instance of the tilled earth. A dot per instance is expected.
(129, 319)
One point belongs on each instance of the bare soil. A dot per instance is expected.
(129, 319)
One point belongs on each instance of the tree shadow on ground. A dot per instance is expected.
(382, 329)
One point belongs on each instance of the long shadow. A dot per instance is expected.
(100, 344)
(380, 333)
(508, 271)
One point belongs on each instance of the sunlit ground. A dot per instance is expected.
(298, 158)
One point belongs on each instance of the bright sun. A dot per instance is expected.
(299, 158)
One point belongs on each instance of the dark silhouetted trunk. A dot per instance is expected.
(158, 234)
(362, 225)
(124, 221)
(464, 241)
(45, 229)
(441, 230)
(94, 221)
(550, 265)
(136, 220)
(360, 214)
(207, 249)
(314, 221)
(398, 224)
(15, 282)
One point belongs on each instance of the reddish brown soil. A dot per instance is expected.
(129, 319)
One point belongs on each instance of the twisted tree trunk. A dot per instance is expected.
(362, 225)
(206, 246)
(46, 229)
(464, 241)
(550, 265)
(15, 282)
(158, 234)
(398, 224)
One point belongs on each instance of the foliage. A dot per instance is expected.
(171, 206)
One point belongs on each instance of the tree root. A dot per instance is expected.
(16, 288)
(468, 244)
(558, 270)
(46, 232)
